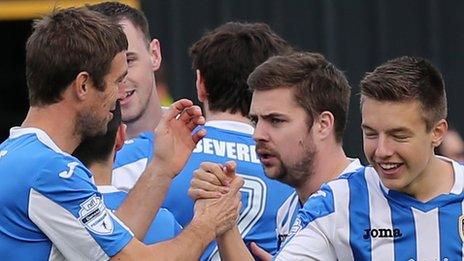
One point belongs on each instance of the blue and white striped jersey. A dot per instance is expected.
(261, 196)
(51, 210)
(288, 212)
(131, 160)
(357, 218)
(163, 227)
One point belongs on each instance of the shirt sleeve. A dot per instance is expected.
(311, 235)
(66, 206)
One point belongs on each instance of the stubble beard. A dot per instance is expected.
(88, 125)
(297, 174)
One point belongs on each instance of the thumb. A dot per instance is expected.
(259, 252)
(230, 168)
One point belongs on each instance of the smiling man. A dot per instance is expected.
(140, 106)
(75, 70)
(75, 65)
(409, 204)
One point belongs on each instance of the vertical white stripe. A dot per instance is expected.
(427, 234)
(341, 236)
(311, 242)
(291, 212)
(380, 218)
(286, 210)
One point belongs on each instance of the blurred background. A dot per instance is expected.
(355, 35)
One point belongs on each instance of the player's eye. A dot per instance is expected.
(276, 121)
(401, 137)
(253, 121)
(370, 135)
(130, 60)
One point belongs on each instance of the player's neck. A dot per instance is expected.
(50, 119)
(224, 116)
(102, 173)
(147, 122)
(436, 179)
(328, 164)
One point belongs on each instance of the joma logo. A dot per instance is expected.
(381, 232)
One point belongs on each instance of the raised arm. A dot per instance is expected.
(174, 143)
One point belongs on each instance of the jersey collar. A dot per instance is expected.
(42, 136)
(231, 125)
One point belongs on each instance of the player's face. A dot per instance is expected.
(93, 120)
(142, 60)
(285, 145)
(396, 143)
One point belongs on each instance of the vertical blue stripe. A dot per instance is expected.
(294, 213)
(403, 219)
(359, 217)
(450, 241)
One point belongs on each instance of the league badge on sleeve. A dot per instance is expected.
(95, 217)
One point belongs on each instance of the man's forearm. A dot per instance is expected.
(189, 244)
(144, 200)
(232, 247)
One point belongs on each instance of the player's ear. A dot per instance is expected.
(81, 85)
(201, 89)
(324, 124)
(120, 136)
(438, 132)
(155, 54)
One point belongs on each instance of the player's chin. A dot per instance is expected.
(273, 172)
(397, 184)
(130, 115)
(269, 171)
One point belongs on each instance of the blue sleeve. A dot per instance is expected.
(318, 205)
(79, 214)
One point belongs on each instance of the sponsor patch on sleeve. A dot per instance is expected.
(94, 215)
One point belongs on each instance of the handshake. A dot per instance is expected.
(215, 190)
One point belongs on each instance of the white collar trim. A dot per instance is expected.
(231, 125)
(43, 137)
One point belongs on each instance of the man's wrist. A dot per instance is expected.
(157, 168)
(203, 228)
(232, 232)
